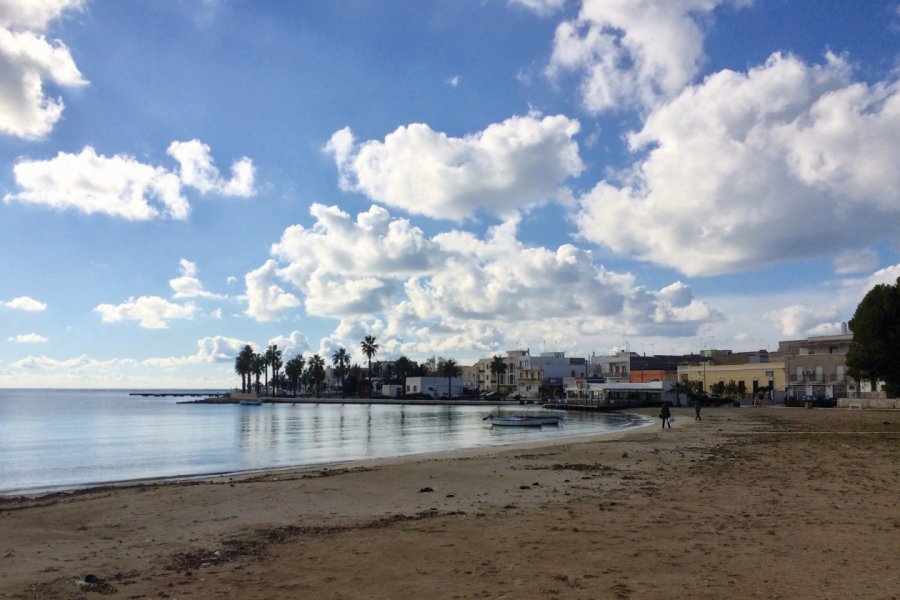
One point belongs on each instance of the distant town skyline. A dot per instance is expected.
(456, 179)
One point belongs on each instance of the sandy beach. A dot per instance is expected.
(749, 503)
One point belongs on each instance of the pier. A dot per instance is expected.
(179, 394)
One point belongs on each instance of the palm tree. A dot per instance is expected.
(679, 388)
(242, 366)
(292, 372)
(341, 360)
(258, 366)
(450, 369)
(369, 348)
(273, 359)
(498, 368)
(317, 371)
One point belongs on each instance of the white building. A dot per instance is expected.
(436, 387)
(613, 367)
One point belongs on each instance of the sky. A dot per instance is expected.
(457, 178)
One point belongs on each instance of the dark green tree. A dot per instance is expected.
(498, 368)
(258, 365)
(341, 361)
(273, 359)
(294, 370)
(449, 369)
(317, 372)
(369, 348)
(243, 366)
(873, 354)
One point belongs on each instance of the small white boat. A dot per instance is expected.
(251, 403)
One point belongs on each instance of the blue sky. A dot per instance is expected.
(181, 178)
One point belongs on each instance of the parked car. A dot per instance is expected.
(815, 400)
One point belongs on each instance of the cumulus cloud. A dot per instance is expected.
(292, 345)
(266, 301)
(121, 186)
(457, 291)
(631, 51)
(210, 349)
(188, 285)
(802, 320)
(197, 170)
(29, 338)
(25, 303)
(507, 167)
(792, 143)
(151, 312)
(346, 266)
(118, 186)
(27, 60)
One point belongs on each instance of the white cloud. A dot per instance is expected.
(34, 14)
(456, 291)
(25, 303)
(454, 81)
(799, 151)
(345, 266)
(540, 7)
(188, 285)
(77, 363)
(211, 349)
(27, 60)
(29, 338)
(197, 170)
(803, 320)
(120, 186)
(266, 301)
(858, 288)
(294, 344)
(632, 51)
(507, 167)
(152, 312)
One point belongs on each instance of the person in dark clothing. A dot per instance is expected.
(697, 407)
(664, 414)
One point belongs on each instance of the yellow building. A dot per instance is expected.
(748, 376)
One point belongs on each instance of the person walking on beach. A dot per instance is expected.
(697, 407)
(664, 414)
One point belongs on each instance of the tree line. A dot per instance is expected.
(307, 375)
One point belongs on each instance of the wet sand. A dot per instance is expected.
(749, 503)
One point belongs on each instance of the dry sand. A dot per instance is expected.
(749, 503)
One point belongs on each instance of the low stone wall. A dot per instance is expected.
(868, 403)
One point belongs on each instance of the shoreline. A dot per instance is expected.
(385, 460)
(720, 507)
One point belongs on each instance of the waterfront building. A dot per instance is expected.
(615, 367)
(435, 387)
(816, 366)
(749, 376)
(592, 394)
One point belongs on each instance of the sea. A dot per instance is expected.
(52, 440)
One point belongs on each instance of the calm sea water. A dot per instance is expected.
(59, 439)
